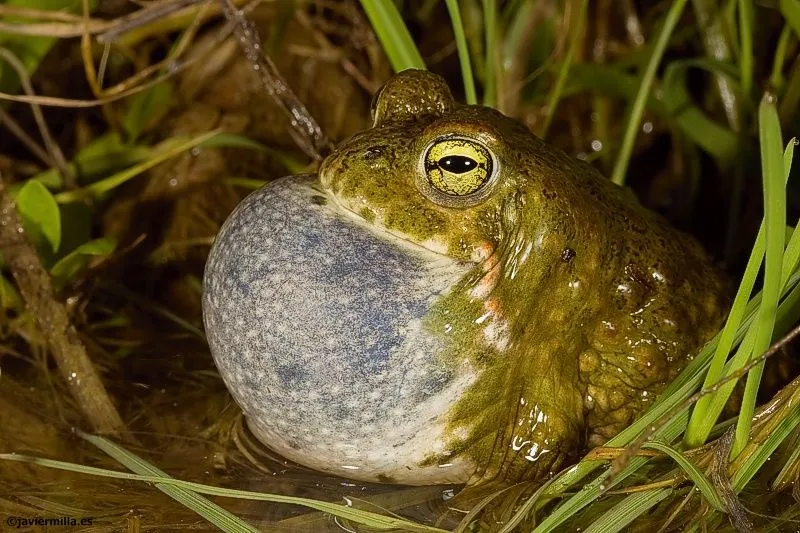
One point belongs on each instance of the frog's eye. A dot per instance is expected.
(456, 170)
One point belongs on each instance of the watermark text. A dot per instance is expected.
(20, 522)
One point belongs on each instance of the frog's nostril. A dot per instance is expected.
(373, 152)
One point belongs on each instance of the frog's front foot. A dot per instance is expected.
(544, 430)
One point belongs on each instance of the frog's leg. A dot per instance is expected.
(640, 346)
(620, 385)
(547, 424)
(523, 417)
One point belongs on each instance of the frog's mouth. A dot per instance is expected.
(436, 247)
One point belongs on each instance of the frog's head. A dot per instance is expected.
(440, 174)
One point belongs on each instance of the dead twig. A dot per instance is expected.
(18, 132)
(142, 18)
(53, 149)
(304, 129)
(77, 370)
(722, 483)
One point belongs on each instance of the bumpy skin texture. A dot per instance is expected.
(580, 304)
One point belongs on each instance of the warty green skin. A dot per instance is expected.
(580, 304)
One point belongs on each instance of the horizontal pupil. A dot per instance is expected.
(457, 164)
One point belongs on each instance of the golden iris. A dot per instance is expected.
(457, 166)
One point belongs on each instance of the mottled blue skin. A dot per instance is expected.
(314, 344)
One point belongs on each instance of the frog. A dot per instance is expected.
(449, 299)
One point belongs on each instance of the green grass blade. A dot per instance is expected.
(463, 51)
(716, 139)
(786, 320)
(626, 511)
(477, 508)
(592, 490)
(671, 20)
(787, 468)
(563, 70)
(708, 408)
(775, 223)
(393, 34)
(516, 31)
(490, 34)
(525, 509)
(786, 316)
(676, 103)
(247, 183)
(172, 148)
(776, 79)
(757, 459)
(790, 9)
(68, 266)
(168, 149)
(150, 474)
(104, 155)
(700, 479)
(746, 16)
(212, 512)
(792, 254)
(232, 140)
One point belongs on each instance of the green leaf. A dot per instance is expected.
(103, 155)
(393, 34)
(9, 297)
(40, 215)
(166, 150)
(700, 479)
(69, 265)
(712, 137)
(147, 108)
